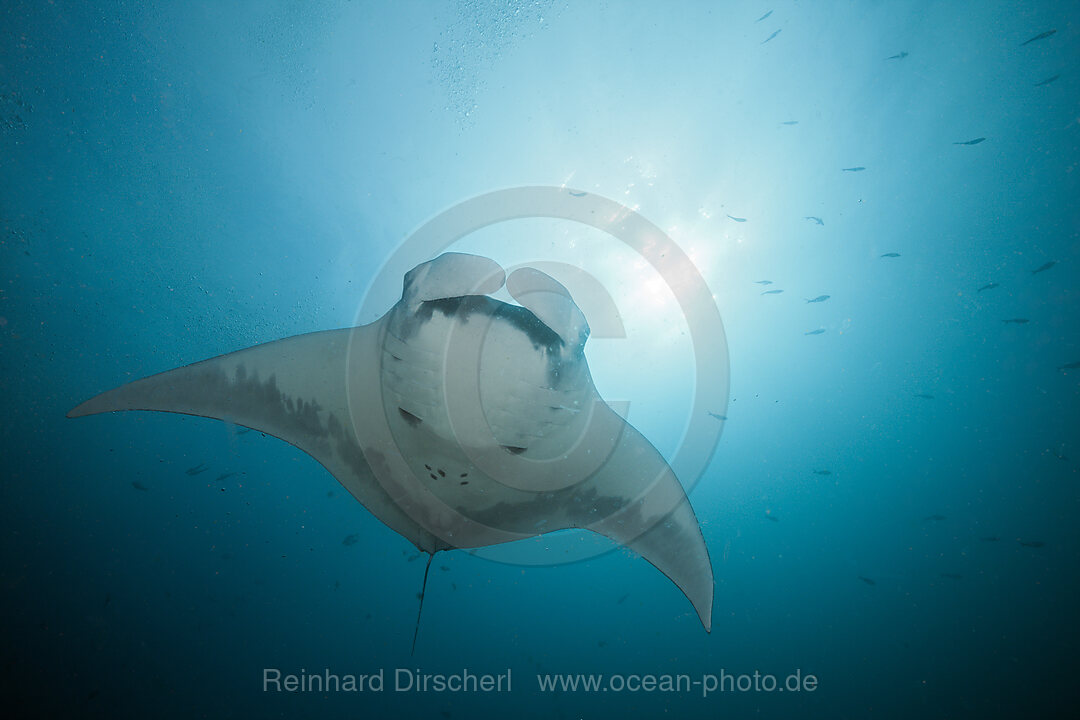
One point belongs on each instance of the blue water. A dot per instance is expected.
(180, 180)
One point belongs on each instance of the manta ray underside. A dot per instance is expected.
(458, 420)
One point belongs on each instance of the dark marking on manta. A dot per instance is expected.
(463, 308)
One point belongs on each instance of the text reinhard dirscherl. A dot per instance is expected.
(402, 679)
(414, 680)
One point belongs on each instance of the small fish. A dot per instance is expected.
(139, 486)
(737, 219)
(224, 476)
(898, 56)
(1032, 543)
(819, 298)
(859, 168)
(924, 396)
(933, 518)
(1059, 455)
(763, 282)
(823, 472)
(350, 540)
(952, 576)
(108, 599)
(1016, 321)
(763, 16)
(891, 255)
(1047, 81)
(772, 517)
(200, 468)
(717, 416)
(770, 37)
(1040, 36)
(790, 122)
(867, 580)
(622, 599)
(444, 568)
(987, 286)
(578, 194)
(1071, 366)
(413, 557)
(243, 430)
(818, 220)
(990, 538)
(772, 292)
(819, 331)
(976, 141)
(1044, 267)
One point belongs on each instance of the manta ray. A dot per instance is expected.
(458, 420)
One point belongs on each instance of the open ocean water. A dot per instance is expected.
(890, 512)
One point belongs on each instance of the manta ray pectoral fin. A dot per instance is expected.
(295, 389)
(654, 517)
(452, 275)
(549, 301)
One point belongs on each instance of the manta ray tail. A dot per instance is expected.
(423, 589)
